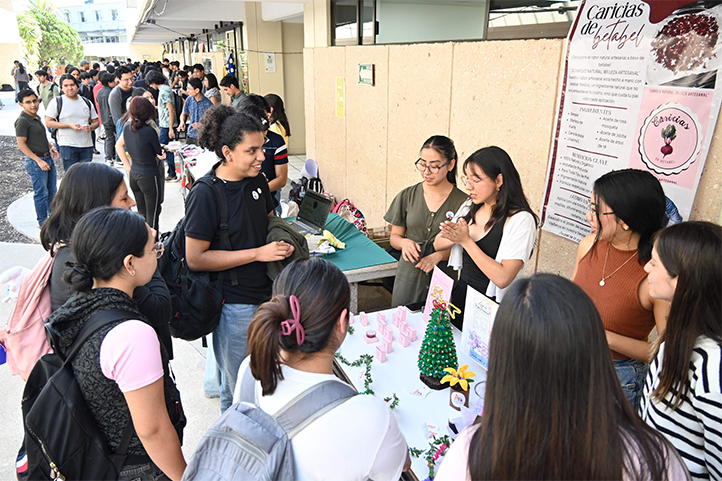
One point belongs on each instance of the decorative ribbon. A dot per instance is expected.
(289, 325)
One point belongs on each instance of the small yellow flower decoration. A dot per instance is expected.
(461, 376)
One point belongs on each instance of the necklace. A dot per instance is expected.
(604, 269)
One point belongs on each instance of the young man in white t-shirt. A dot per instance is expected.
(75, 121)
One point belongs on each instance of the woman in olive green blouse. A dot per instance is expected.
(415, 215)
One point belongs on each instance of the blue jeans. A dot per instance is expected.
(73, 155)
(212, 375)
(44, 186)
(169, 157)
(229, 346)
(631, 374)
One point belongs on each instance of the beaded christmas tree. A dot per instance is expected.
(438, 350)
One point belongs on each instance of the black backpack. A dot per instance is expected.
(62, 438)
(298, 189)
(59, 102)
(197, 299)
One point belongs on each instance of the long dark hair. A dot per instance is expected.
(445, 147)
(223, 125)
(85, 186)
(510, 199)
(101, 241)
(21, 67)
(636, 197)
(691, 252)
(323, 293)
(212, 80)
(554, 408)
(140, 111)
(279, 112)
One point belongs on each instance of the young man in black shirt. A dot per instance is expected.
(237, 139)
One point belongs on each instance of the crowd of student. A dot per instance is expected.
(570, 393)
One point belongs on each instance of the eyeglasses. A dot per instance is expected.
(466, 180)
(434, 169)
(31, 102)
(592, 207)
(158, 249)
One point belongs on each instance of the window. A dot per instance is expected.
(531, 19)
(98, 18)
(114, 14)
(82, 16)
(345, 16)
(67, 17)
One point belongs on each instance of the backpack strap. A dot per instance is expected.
(95, 322)
(311, 404)
(215, 184)
(305, 408)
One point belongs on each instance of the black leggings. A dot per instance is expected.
(148, 191)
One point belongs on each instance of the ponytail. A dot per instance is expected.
(78, 277)
(309, 297)
(264, 343)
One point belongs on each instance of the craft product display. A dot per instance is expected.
(424, 415)
(438, 350)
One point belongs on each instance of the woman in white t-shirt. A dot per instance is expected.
(554, 408)
(292, 340)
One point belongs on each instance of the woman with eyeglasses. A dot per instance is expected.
(627, 207)
(86, 186)
(122, 368)
(498, 232)
(414, 215)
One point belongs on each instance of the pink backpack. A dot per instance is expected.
(24, 337)
(351, 214)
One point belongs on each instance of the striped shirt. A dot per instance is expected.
(695, 427)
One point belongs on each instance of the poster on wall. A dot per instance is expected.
(640, 90)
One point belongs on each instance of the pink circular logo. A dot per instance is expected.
(670, 139)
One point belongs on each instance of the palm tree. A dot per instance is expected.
(44, 6)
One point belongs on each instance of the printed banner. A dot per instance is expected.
(640, 90)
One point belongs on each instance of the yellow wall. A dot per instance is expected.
(478, 93)
(145, 51)
(263, 37)
(9, 42)
(293, 85)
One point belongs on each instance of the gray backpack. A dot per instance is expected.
(246, 443)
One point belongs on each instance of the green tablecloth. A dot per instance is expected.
(360, 250)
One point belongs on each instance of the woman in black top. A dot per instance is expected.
(143, 167)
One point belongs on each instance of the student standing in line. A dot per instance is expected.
(553, 407)
(86, 90)
(108, 82)
(683, 392)
(47, 90)
(141, 142)
(166, 117)
(626, 209)
(39, 153)
(118, 98)
(415, 214)
(195, 106)
(75, 121)
(279, 120)
(212, 93)
(198, 71)
(22, 78)
(498, 232)
(237, 139)
(229, 84)
(125, 370)
(356, 440)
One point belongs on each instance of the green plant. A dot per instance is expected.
(58, 43)
(30, 36)
(365, 359)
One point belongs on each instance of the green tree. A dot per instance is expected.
(59, 43)
(438, 350)
(30, 36)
